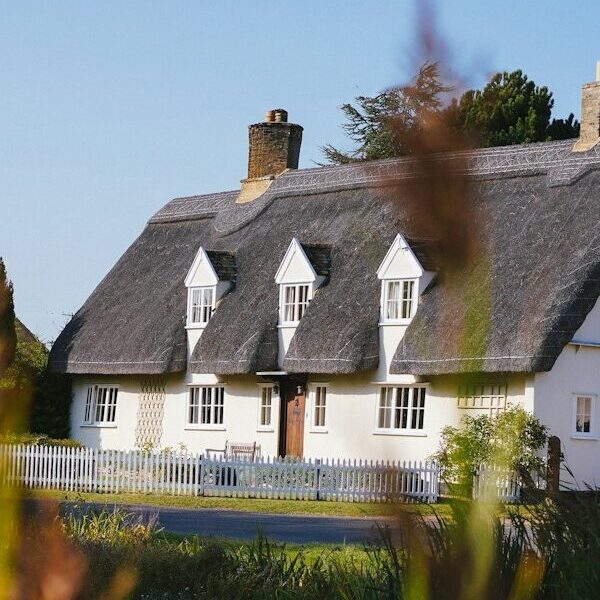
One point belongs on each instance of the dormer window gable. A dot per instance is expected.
(303, 269)
(210, 277)
(403, 278)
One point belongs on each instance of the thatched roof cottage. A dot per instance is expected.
(304, 312)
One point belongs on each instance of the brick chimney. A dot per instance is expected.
(274, 146)
(589, 134)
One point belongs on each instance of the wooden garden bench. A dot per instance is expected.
(235, 450)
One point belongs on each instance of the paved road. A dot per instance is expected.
(294, 529)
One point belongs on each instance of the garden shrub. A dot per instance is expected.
(51, 406)
(36, 439)
(32, 387)
(511, 439)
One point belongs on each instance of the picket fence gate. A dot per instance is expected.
(136, 471)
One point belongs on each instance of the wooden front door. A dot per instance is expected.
(294, 430)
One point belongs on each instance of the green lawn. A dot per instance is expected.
(298, 507)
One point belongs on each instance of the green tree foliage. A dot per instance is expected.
(7, 321)
(51, 405)
(30, 386)
(511, 109)
(29, 362)
(25, 382)
(563, 129)
(511, 439)
(379, 125)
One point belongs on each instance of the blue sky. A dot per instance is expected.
(109, 109)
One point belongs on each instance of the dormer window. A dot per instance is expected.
(201, 305)
(399, 299)
(295, 299)
(210, 277)
(303, 269)
(403, 278)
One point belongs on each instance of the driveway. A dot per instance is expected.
(241, 525)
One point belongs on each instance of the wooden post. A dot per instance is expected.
(553, 465)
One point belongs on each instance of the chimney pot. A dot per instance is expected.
(270, 116)
(281, 115)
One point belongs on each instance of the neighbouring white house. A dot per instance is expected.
(304, 314)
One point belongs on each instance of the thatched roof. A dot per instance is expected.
(24, 334)
(224, 264)
(541, 215)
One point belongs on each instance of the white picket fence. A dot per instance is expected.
(493, 482)
(113, 471)
(497, 483)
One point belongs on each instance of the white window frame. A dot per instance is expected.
(314, 395)
(205, 309)
(593, 432)
(110, 403)
(210, 408)
(411, 300)
(394, 408)
(262, 387)
(296, 303)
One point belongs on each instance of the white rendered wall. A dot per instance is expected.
(285, 333)
(240, 416)
(576, 371)
(352, 404)
(590, 330)
(241, 413)
(121, 434)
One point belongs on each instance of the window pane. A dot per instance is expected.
(405, 405)
(584, 415)
(385, 407)
(320, 406)
(303, 300)
(112, 405)
(414, 417)
(206, 406)
(421, 418)
(207, 304)
(289, 313)
(100, 404)
(407, 295)
(218, 405)
(392, 300)
(196, 305)
(193, 408)
(265, 406)
(87, 418)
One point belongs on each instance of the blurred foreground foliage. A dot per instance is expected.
(546, 552)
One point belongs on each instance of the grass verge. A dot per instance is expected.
(280, 507)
